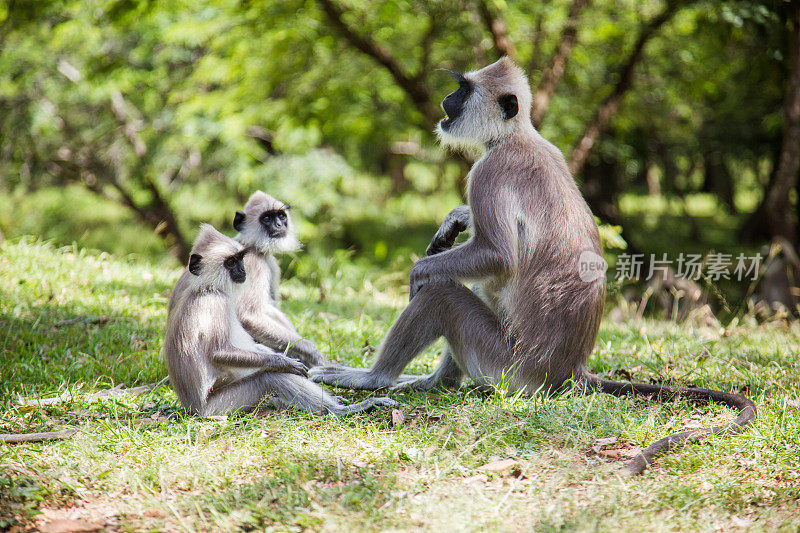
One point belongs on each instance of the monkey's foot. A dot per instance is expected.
(424, 383)
(367, 405)
(342, 400)
(346, 377)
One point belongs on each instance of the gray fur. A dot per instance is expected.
(530, 321)
(258, 308)
(215, 366)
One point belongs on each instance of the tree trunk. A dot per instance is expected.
(497, 28)
(718, 180)
(780, 214)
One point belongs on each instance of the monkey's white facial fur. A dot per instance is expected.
(489, 105)
(266, 225)
(216, 262)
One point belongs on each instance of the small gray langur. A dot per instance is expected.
(214, 365)
(265, 227)
(533, 253)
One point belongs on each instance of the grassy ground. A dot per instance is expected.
(75, 323)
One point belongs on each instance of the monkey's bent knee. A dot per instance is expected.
(438, 289)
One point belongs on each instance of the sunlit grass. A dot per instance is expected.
(291, 471)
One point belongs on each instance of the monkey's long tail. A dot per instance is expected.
(746, 408)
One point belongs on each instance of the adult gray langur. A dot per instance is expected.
(265, 226)
(535, 257)
(214, 365)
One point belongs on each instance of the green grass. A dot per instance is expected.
(290, 471)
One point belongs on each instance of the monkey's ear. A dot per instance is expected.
(508, 103)
(238, 220)
(194, 264)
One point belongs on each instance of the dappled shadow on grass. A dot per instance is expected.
(304, 490)
(48, 346)
(290, 470)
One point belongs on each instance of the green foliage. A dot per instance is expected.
(20, 497)
(611, 236)
(192, 79)
(73, 214)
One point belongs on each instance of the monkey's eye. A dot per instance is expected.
(230, 262)
(282, 216)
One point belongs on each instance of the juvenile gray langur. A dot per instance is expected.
(214, 365)
(265, 226)
(533, 318)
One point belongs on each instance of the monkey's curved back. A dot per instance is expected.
(554, 315)
(193, 331)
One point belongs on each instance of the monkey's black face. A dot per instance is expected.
(235, 267)
(275, 223)
(453, 103)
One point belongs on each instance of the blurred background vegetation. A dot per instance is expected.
(125, 123)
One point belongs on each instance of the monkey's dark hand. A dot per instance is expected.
(287, 365)
(454, 223)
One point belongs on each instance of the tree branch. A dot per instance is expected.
(96, 172)
(536, 39)
(17, 438)
(554, 70)
(412, 85)
(610, 104)
(497, 28)
(159, 213)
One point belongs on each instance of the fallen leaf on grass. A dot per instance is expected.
(477, 478)
(67, 525)
(268, 433)
(624, 450)
(705, 486)
(599, 443)
(620, 453)
(398, 417)
(692, 423)
(498, 466)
